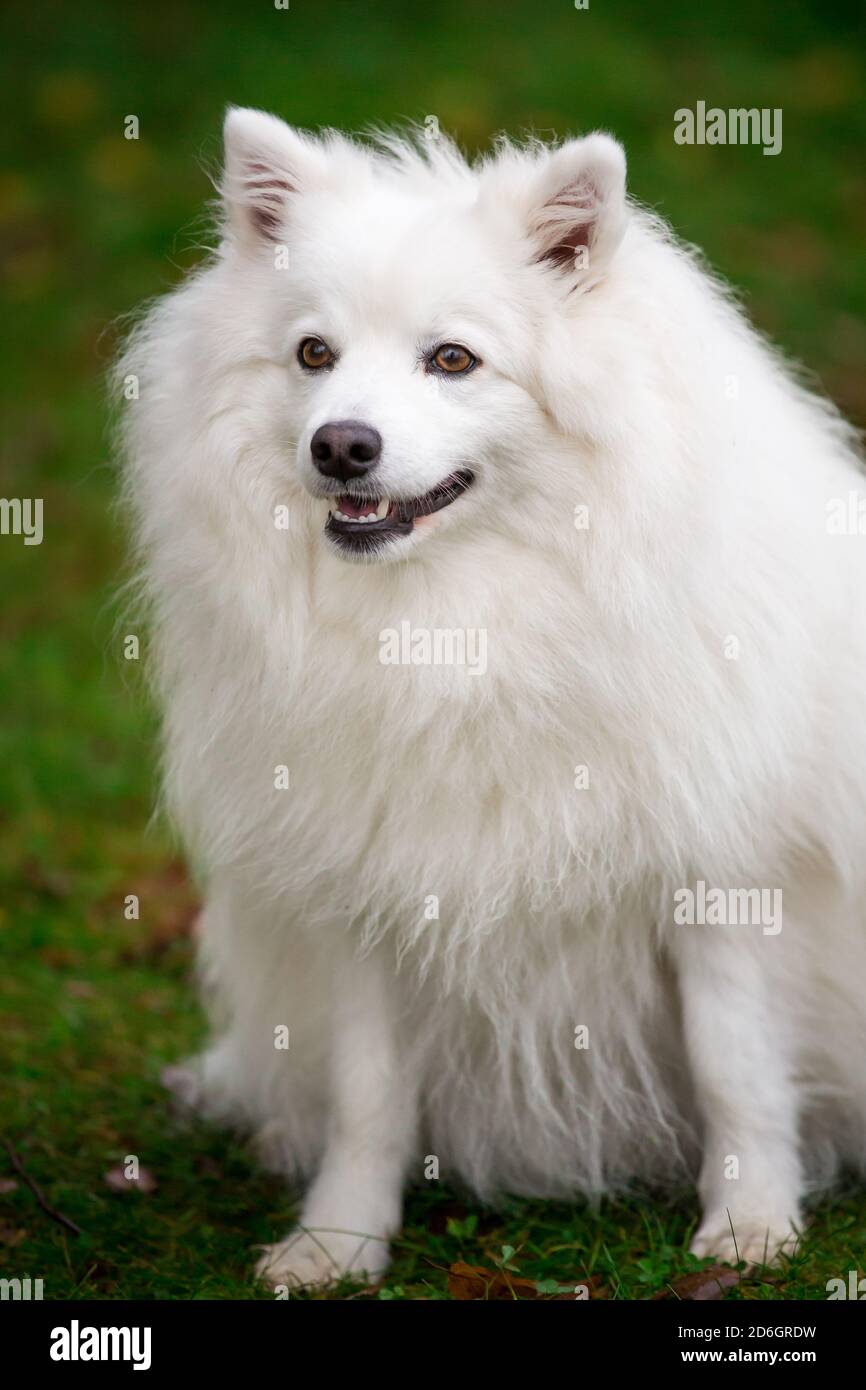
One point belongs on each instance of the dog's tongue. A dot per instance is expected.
(351, 506)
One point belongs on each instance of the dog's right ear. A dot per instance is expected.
(266, 163)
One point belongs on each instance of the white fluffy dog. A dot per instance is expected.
(508, 599)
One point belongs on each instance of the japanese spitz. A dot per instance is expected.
(586, 912)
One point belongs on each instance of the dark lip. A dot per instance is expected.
(365, 537)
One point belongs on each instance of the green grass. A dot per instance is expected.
(91, 1005)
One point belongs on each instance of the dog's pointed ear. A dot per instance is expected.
(573, 204)
(266, 163)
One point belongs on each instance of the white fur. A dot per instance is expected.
(611, 386)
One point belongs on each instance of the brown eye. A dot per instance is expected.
(314, 353)
(453, 359)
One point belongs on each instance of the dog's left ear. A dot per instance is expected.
(573, 206)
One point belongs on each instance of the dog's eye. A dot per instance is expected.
(453, 359)
(314, 353)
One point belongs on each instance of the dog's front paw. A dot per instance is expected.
(308, 1258)
(729, 1239)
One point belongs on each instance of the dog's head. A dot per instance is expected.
(415, 307)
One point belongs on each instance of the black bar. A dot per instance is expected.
(260, 1337)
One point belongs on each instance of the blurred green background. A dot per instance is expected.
(92, 224)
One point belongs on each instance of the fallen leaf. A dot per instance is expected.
(169, 909)
(59, 957)
(48, 882)
(80, 989)
(117, 1180)
(702, 1286)
(474, 1282)
(153, 1001)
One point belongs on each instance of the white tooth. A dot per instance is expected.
(382, 509)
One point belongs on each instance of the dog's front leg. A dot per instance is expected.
(750, 1179)
(354, 1204)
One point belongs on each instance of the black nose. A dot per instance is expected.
(345, 449)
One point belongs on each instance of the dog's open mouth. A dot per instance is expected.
(364, 524)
